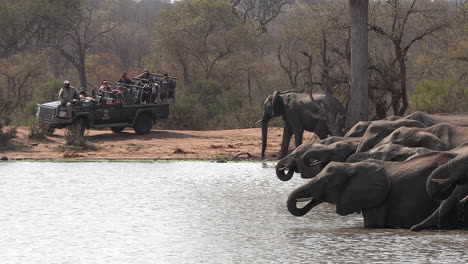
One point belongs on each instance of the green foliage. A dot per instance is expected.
(439, 96)
(37, 130)
(206, 105)
(76, 140)
(6, 135)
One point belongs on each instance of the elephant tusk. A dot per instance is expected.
(259, 121)
(464, 199)
(445, 184)
(300, 200)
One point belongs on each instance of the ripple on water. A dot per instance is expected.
(187, 212)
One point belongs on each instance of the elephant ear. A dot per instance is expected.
(367, 188)
(275, 103)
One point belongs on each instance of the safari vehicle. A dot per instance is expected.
(113, 110)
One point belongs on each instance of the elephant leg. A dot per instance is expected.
(440, 215)
(298, 137)
(287, 134)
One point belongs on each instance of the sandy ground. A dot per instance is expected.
(219, 145)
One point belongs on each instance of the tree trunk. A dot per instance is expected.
(82, 73)
(358, 102)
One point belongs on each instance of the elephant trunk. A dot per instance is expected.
(300, 194)
(284, 165)
(264, 135)
(316, 156)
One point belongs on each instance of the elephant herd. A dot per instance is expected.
(400, 172)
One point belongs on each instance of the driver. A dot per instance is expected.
(66, 96)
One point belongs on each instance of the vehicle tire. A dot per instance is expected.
(143, 124)
(50, 131)
(79, 124)
(117, 129)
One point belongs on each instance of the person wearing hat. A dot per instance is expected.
(105, 87)
(66, 96)
(167, 88)
(145, 75)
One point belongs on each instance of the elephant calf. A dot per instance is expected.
(389, 194)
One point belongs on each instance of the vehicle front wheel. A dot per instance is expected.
(143, 124)
(117, 129)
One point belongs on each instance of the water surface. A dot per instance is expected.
(187, 212)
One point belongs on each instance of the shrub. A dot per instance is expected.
(75, 139)
(6, 135)
(37, 130)
(439, 96)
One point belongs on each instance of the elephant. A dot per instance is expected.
(448, 183)
(433, 119)
(360, 127)
(389, 194)
(299, 113)
(378, 130)
(442, 136)
(389, 152)
(329, 149)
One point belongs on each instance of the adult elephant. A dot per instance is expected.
(389, 152)
(378, 130)
(434, 119)
(448, 183)
(299, 113)
(389, 194)
(329, 149)
(438, 137)
(360, 127)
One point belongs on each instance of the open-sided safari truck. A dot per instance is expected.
(110, 109)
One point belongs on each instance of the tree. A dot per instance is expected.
(358, 98)
(28, 25)
(18, 74)
(85, 32)
(410, 22)
(200, 34)
(258, 12)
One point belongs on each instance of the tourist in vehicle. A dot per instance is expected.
(124, 79)
(105, 87)
(66, 96)
(145, 75)
(167, 88)
(84, 96)
(149, 92)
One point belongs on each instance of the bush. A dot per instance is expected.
(439, 96)
(7, 135)
(37, 130)
(75, 139)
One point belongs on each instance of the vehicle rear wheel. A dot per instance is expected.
(117, 129)
(143, 124)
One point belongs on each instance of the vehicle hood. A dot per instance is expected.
(51, 104)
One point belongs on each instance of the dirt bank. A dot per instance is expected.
(240, 144)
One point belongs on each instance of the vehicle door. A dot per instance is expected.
(107, 113)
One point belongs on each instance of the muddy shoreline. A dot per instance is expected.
(158, 145)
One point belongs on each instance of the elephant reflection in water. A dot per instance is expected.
(389, 194)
